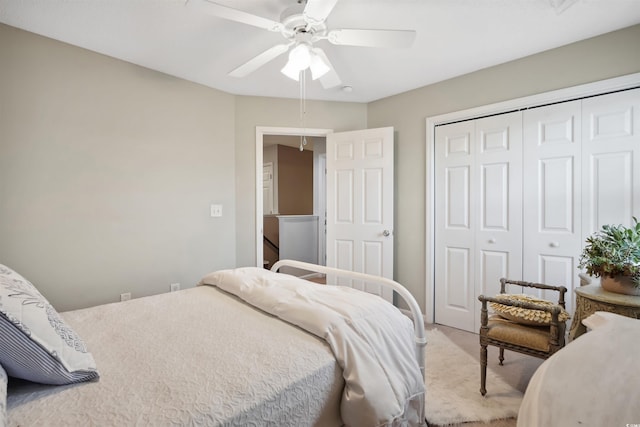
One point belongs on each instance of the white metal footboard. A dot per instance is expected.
(418, 321)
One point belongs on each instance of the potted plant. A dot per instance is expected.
(613, 254)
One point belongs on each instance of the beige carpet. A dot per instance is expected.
(453, 384)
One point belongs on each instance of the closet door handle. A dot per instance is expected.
(492, 240)
(386, 233)
(554, 244)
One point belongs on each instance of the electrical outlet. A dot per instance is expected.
(125, 297)
(175, 287)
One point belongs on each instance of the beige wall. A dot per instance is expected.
(611, 55)
(295, 181)
(107, 171)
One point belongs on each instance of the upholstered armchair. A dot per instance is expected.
(521, 323)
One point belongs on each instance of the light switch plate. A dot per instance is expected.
(216, 210)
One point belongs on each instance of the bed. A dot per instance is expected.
(593, 381)
(247, 346)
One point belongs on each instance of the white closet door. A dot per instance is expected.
(497, 185)
(455, 225)
(478, 214)
(517, 194)
(611, 160)
(552, 196)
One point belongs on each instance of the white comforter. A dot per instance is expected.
(370, 338)
(197, 357)
(593, 382)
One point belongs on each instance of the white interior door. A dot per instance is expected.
(360, 205)
(478, 214)
(498, 237)
(552, 202)
(455, 225)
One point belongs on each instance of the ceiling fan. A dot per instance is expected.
(302, 25)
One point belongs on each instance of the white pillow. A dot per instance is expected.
(3, 397)
(37, 345)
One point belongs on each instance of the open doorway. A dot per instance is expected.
(300, 212)
(359, 201)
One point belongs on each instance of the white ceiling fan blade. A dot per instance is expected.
(253, 64)
(236, 15)
(372, 38)
(331, 78)
(316, 11)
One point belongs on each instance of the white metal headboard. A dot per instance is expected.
(418, 321)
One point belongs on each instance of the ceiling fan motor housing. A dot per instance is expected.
(295, 27)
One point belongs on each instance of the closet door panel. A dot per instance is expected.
(498, 184)
(455, 225)
(610, 189)
(552, 191)
(557, 270)
(494, 180)
(492, 264)
(611, 160)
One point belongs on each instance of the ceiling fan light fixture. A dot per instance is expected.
(318, 67)
(300, 56)
(291, 71)
(300, 59)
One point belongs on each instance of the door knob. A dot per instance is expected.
(554, 244)
(386, 233)
(492, 240)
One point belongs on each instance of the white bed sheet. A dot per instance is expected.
(194, 357)
(592, 382)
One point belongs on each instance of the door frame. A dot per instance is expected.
(261, 131)
(560, 95)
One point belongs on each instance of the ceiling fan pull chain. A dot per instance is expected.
(303, 108)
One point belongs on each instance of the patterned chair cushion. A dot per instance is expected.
(37, 345)
(523, 315)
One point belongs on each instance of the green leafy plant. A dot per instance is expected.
(613, 251)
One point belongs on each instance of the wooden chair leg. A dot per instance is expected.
(483, 369)
(501, 357)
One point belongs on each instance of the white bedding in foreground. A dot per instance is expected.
(194, 357)
(592, 382)
(371, 339)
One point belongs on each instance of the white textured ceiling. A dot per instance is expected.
(454, 37)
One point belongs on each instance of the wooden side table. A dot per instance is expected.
(592, 298)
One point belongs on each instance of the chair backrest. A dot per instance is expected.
(560, 289)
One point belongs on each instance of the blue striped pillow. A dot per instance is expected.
(37, 345)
